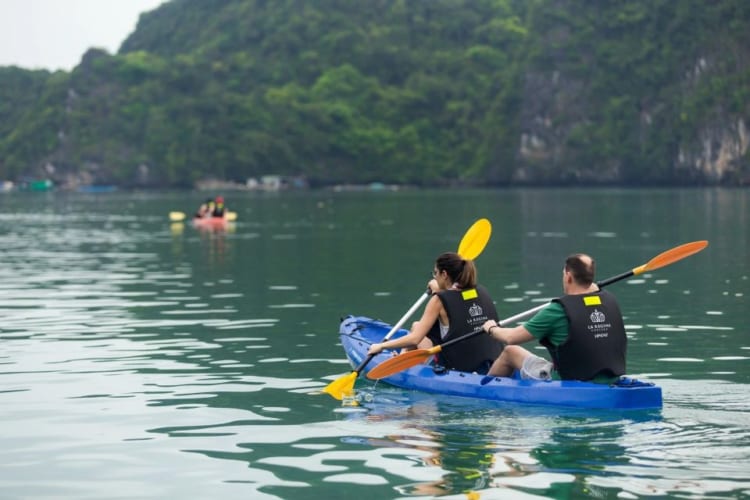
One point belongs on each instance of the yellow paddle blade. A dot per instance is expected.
(671, 256)
(342, 386)
(475, 239)
(402, 362)
(176, 216)
(231, 216)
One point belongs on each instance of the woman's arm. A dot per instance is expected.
(419, 329)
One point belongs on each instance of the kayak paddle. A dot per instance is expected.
(471, 246)
(417, 356)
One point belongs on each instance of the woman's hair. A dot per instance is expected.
(462, 272)
(582, 267)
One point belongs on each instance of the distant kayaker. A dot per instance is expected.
(219, 208)
(457, 307)
(583, 331)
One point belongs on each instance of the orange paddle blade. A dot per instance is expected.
(671, 256)
(402, 362)
(475, 239)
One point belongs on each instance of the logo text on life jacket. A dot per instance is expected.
(597, 316)
(475, 310)
(598, 325)
(476, 315)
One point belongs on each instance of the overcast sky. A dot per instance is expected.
(54, 34)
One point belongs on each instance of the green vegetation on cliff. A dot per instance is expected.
(427, 92)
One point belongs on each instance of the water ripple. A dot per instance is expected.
(133, 354)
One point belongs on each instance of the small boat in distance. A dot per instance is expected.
(206, 222)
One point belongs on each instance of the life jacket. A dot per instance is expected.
(467, 311)
(218, 210)
(596, 342)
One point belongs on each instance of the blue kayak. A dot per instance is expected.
(359, 332)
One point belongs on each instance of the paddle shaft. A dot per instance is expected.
(613, 279)
(395, 328)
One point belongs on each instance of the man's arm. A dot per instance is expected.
(510, 336)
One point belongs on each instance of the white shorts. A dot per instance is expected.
(536, 368)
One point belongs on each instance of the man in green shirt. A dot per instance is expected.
(583, 331)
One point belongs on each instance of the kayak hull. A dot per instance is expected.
(359, 332)
(210, 222)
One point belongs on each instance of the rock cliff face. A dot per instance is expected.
(555, 107)
(656, 93)
(718, 152)
(717, 155)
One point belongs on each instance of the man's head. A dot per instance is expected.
(579, 270)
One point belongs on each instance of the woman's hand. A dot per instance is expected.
(375, 349)
(433, 286)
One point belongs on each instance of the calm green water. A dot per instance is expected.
(147, 360)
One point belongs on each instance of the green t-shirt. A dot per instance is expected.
(551, 322)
